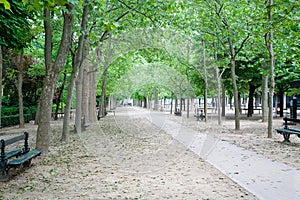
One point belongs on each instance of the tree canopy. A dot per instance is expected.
(137, 48)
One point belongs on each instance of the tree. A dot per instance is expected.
(230, 35)
(78, 57)
(15, 34)
(52, 70)
(269, 44)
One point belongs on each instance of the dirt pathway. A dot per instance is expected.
(121, 157)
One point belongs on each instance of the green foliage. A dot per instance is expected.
(6, 4)
(150, 37)
(14, 110)
(10, 115)
(15, 25)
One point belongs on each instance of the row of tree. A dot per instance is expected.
(144, 49)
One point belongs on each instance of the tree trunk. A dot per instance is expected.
(269, 43)
(145, 102)
(58, 96)
(235, 88)
(103, 91)
(79, 85)
(205, 79)
(85, 91)
(92, 115)
(250, 103)
(1, 69)
(77, 68)
(156, 103)
(264, 89)
(223, 100)
(171, 107)
(66, 120)
(20, 65)
(281, 93)
(188, 82)
(52, 71)
(104, 78)
(218, 78)
(20, 97)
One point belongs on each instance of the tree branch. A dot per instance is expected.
(105, 33)
(242, 45)
(137, 11)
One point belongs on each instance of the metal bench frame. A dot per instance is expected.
(22, 156)
(286, 131)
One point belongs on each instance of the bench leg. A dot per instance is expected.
(27, 163)
(4, 176)
(286, 137)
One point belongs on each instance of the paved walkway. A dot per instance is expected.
(262, 177)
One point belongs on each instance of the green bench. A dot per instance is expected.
(286, 131)
(17, 157)
(199, 115)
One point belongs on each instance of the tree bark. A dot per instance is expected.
(156, 103)
(58, 96)
(1, 74)
(77, 59)
(92, 115)
(223, 100)
(250, 103)
(52, 71)
(205, 79)
(20, 93)
(235, 88)
(110, 48)
(85, 91)
(264, 89)
(66, 120)
(79, 85)
(218, 78)
(281, 94)
(103, 91)
(145, 102)
(269, 43)
(188, 82)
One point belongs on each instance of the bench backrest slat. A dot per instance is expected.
(4, 143)
(291, 119)
(15, 139)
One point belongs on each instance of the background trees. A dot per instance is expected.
(145, 49)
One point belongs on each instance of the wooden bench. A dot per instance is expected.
(16, 157)
(286, 131)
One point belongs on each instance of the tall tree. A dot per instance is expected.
(236, 38)
(52, 70)
(78, 56)
(269, 44)
(15, 28)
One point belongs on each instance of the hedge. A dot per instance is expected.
(12, 120)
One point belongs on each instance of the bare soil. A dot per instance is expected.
(121, 158)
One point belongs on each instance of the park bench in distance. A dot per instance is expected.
(286, 131)
(199, 115)
(16, 157)
(177, 112)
